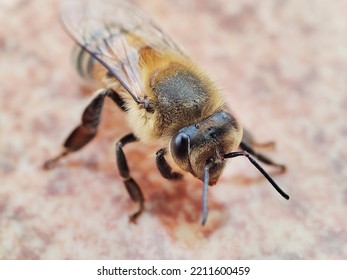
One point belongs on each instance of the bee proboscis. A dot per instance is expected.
(167, 99)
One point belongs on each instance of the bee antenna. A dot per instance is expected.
(261, 170)
(204, 195)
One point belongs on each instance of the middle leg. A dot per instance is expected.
(130, 184)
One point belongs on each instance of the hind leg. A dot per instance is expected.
(87, 130)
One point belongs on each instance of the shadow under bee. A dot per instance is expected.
(178, 204)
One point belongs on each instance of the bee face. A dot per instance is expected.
(205, 143)
(213, 158)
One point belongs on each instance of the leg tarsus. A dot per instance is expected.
(133, 217)
(136, 196)
(51, 163)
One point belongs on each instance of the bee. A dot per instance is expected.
(167, 99)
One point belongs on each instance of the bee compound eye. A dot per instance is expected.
(180, 146)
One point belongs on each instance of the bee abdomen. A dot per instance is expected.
(83, 62)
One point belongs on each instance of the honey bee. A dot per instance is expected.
(167, 99)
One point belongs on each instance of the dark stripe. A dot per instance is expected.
(90, 66)
(84, 62)
(79, 60)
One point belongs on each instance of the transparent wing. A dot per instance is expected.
(113, 32)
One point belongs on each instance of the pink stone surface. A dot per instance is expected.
(283, 68)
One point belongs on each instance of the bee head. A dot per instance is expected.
(203, 148)
(203, 145)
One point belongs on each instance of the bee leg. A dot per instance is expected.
(83, 133)
(117, 99)
(130, 184)
(248, 139)
(246, 147)
(164, 168)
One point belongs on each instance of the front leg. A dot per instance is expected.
(248, 143)
(130, 184)
(244, 146)
(164, 168)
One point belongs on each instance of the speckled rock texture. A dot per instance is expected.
(282, 65)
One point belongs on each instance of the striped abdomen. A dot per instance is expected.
(85, 64)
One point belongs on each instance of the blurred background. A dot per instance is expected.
(282, 65)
